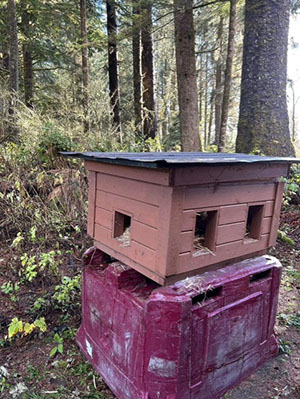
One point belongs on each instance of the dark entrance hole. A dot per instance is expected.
(254, 222)
(205, 231)
(122, 228)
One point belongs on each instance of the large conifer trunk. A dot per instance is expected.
(186, 75)
(263, 122)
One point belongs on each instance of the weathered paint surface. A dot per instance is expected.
(194, 339)
(163, 206)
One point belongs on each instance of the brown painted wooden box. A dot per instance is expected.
(171, 215)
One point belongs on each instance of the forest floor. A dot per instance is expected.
(28, 371)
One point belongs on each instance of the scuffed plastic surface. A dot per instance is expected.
(195, 339)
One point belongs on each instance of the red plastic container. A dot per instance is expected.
(195, 339)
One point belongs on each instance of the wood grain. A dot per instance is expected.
(276, 213)
(227, 173)
(187, 262)
(220, 195)
(136, 251)
(140, 191)
(91, 203)
(156, 176)
(144, 213)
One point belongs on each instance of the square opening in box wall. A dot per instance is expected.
(122, 229)
(254, 222)
(205, 232)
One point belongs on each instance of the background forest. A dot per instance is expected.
(118, 75)
(102, 76)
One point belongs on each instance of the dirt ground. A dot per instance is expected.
(27, 371)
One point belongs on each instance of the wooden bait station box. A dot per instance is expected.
(172, 215)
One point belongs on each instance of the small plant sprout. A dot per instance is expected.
(18, 240)
(59, 348)
(48, 259)
(32, 234)
(28, 267)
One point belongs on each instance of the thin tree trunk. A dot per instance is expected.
(136, 51)
(113, 62)
(27, 58)
(263, 118)
(186, 75)
(13, 66)
(13, 49)
(149, 119)
(211, 112)
(219, 94)
(28, 75)
(206, 103)
(294, 102)
(228, 74)
(84, 63)
(4, 62)
(200, 100)
(4, 72)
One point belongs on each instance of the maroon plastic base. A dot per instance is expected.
(195, 339)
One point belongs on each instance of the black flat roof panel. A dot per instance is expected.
(173, 159)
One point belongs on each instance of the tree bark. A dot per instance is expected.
(13, 66)
(13, 48)
(149, 119)
(27, 57)
(186, 75)
(84, 63)
(28, 75)
(211, 112)
(294, 103)
(263, 122)
(219, 92)
(113, 62)
(136, 51)
(206, 103)
(4, 62)
(201, 94)
(228, 75)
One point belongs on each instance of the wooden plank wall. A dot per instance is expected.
(231, 201)
(131, 197)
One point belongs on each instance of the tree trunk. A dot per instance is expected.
(294, 103)
(211, 113)
(219, 93)
(28, 75)
(136, 51)
(113, 62)
(13, 66)
(84, 63)
(149, 120)
(27, 57)
(4, 62)
(263, 120)
(228, 74)
(13, 48)
(201, 95)
(186, 75)
(206, 103)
